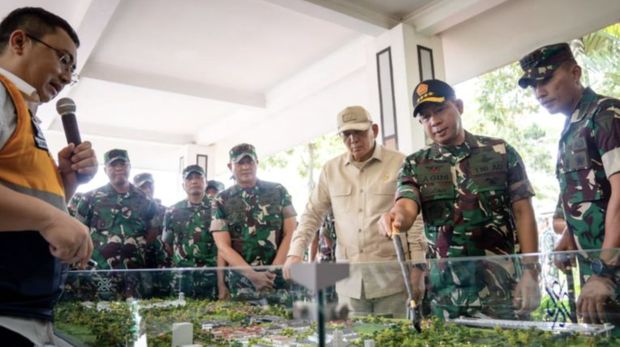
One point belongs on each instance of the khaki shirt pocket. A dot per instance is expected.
(341, 197)
(382, 197)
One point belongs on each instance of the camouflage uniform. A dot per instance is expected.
(588, 153)
(72, 204)
(466, 193)
(254, 217)
(327, 251)
(186, 234)
(124, 228)
(327, 239)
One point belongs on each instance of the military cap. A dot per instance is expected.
(354, 118)
(431, 91)
(193, 169)
(219, 186)
(115, 154)
(143, 178)
(541, 63)
(242, 150)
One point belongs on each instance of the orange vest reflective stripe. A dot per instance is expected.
(25, 162)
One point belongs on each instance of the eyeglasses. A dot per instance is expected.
(355, 133)
(66, 60)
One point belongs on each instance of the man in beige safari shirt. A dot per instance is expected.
(359, 186)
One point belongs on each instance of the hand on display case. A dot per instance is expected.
(596, 294)
(290, 260)
(262, 279)
(527, 292)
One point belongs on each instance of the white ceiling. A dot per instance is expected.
(176, 71)
(204, 71)
(167, 71)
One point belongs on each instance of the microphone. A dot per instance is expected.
(66, 109)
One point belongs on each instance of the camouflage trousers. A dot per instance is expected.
(470, 288)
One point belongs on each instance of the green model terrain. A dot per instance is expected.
(114, 324)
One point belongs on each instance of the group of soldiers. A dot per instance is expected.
(472, 192)
(132, 230)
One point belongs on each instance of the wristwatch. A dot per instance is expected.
(599, 268)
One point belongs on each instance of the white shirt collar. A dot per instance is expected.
(30, 93)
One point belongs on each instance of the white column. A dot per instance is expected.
(402, 42)
(204, 156)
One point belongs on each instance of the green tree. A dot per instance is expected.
(506, 111)
(503, 110)
(306, 159)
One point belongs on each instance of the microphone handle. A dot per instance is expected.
(72, 133)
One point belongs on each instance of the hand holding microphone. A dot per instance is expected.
(79, 159)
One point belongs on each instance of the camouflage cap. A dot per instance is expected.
(354, 118)
(219, 186)
(541, 63)
(143, 178)
(115, 154)
(193, 169)
(431, 91)
(242, 150)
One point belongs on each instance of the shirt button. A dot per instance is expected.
(359, 230)
(361, 190)
(360, 210)
(361, 251)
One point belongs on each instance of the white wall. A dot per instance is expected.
(506, 33)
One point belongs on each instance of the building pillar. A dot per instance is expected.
(204, 156)
(402, 58)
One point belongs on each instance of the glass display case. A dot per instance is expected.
(467, 301)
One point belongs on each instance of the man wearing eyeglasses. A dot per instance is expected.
(37, 236)
(359, 186)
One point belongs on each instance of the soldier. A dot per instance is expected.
(123, 221)
(252, 224)
(358, 186)
(161, 280)
(146, 184)
(187, 237)
(214, 187)
(475, 199)
(587, 166)
(327, 240)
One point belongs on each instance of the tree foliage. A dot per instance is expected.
(306, 159)
(502, 109)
